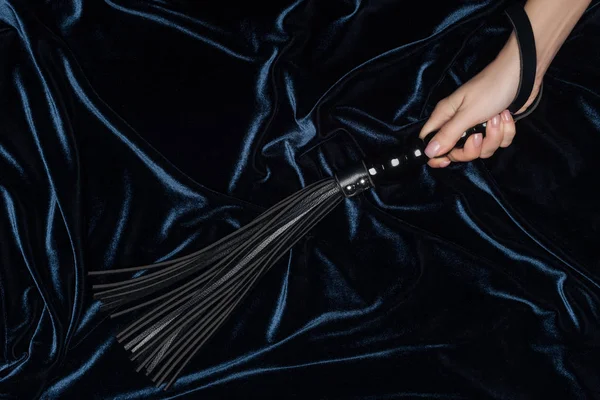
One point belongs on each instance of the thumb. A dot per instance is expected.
(450, 132)
(442, 113)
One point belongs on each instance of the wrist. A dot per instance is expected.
(551, 21)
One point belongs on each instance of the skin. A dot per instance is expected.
(487, 96)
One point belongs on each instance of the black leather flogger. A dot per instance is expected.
(391, 167)
(183, 302)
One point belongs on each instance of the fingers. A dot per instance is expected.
(440, 162)
(508, 129)
(470, 151)
(500, 132)
(451, 121)
(493, 137)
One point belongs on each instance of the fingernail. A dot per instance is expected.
(444, 163)
(496, 121)
(506, 116)
(477, 139)
(432, 149)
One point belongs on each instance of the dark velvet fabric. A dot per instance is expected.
(134, 131)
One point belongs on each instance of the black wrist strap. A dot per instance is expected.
(528, 56)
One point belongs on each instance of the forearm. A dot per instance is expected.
(552, 21)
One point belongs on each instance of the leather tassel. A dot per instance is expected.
(188, 299)
(204, 288)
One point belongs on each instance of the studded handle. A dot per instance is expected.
(479, 128)
(393, 167)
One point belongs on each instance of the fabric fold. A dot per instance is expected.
(133, 132)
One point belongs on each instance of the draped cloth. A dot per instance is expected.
(137, 131)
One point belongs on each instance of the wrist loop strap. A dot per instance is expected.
(527, 51)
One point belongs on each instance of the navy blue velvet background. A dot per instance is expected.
(133, 131)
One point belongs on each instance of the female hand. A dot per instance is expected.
(484, 98)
